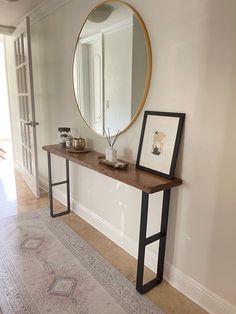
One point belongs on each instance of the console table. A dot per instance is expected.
(147, 182)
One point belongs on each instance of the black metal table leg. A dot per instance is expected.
(67, 182)
(143, 241)
(142, 238)
(164, 224)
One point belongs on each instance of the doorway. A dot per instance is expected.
(7, 175)
(89, 77)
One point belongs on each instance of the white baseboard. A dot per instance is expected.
(43, 184)
(185, 284)
(110, 231)
(199, 294)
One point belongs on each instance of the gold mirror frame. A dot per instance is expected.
(149, 64)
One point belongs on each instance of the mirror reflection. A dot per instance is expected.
(111, 69)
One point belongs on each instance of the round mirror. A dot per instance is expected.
(112, 67)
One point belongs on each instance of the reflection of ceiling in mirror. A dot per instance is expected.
(120, 13)
(101, 13)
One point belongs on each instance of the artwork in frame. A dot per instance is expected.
(159, 142)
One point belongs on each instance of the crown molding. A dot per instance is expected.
(6, 30)
(42, 10)
(119, 25)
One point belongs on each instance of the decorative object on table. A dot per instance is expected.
(159, 142)
(69, 141)
(119, 163)
(111, 152)
(79, 143)
(71, 276)
(64, 132)
(72, 150)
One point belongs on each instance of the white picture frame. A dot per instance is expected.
(159, 142)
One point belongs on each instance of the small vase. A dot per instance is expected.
(79, 143)
(111, 154)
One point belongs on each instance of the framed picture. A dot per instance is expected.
(159, 142)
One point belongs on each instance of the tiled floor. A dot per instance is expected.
(15, 198)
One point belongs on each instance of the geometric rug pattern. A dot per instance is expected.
(45, 267)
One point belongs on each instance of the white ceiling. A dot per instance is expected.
(12, 12)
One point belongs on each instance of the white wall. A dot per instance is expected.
(194, 71)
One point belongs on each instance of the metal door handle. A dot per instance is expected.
(31, 123)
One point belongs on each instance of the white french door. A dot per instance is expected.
(25, 93)
(95, 88)
(91, 80)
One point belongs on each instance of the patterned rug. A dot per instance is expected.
(45, 267)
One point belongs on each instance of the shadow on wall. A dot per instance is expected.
(216, 155)
(203, 249)
(175, 209)
(221, 258)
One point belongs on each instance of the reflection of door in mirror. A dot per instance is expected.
(89, 79)
(118, 77)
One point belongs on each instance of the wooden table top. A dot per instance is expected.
(140, 179)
